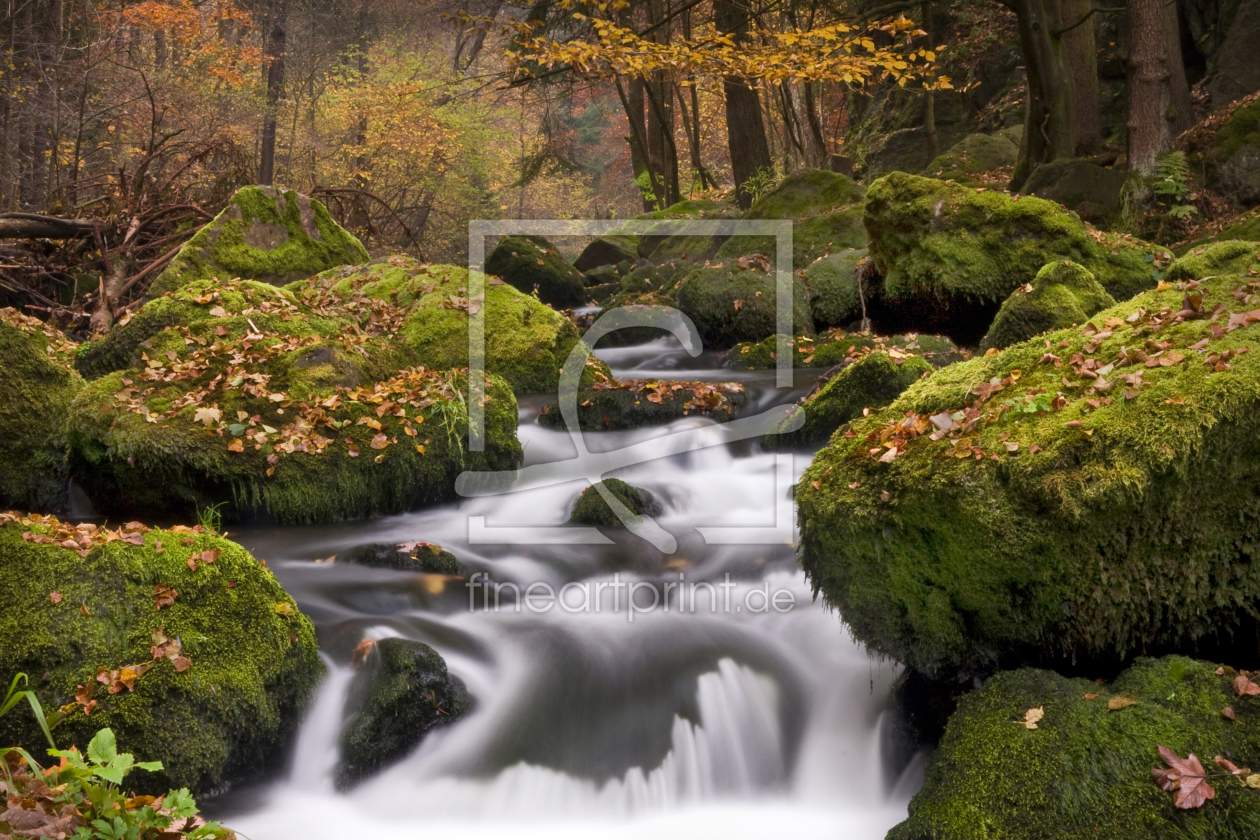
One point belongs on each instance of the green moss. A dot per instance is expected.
(730, 304)
(1129, 527)
(1227, 257)
(591, 509)
(1085, 771)
(688, 248)
(402, 693)
(834, 297)
(1063, 294)
(408, 557)
(612, 405)
(807, 193)
(974, 154)
(871, 382)
(534, 265)
(224, 719)
(34, 404)
(950, 255)
(836, 347)
(525, 342)
(262, 235)
(607, 251)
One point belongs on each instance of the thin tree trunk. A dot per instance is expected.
(1150, 133)
(1049, 124)
(1082, 52)
(275, 89)
(1181, 114)
(745, 127)
(929, 101)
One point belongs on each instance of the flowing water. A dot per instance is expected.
(720, 701)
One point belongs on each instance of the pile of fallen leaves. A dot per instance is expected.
(701, 397)
(59, 347)
(82, 537)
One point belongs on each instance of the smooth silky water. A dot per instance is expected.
(704, 716)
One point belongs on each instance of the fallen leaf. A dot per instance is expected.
(361, 652)
(1032, 716)
(1091, 696)
(286, 609)
(1186, 779)
(208, 416)
(164, 595)
(181, 663)
(1229, 713)
(1230, 767)
(55, 597)
(1244, 687)
(1115, 704)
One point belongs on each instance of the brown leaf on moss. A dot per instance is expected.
(1245, 687)
(1229, 713)
(55, 597)
(1185, 778)
(1116, 703)
(164, 595)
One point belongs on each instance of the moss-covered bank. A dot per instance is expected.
(178, 640)
(1079, 501)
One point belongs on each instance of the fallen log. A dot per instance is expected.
(34, 226)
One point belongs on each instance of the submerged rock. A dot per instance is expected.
(178, 640)
(1062, 294)
(263, 234)
(730, 304)
(407, 556)
(591, 509)
(1072, 503)
(1084, 769)
(401, 694)
(534, 266)
(34, 406)
(869, 383)
(950, 255)
(610, 405)
(268, 406)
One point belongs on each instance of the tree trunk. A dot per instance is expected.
(929, 102)
(745, 128)
(274, 55)
(33, 226)
(1082, 52)
(1049, 125)
(1181, 115)
(1150, 133)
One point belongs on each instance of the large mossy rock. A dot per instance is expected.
(950, 255)
(34, 406)
(975, 154)
(666, 246)
(1063, 294)
(423, 557)
(591, 509)
(1227, 257)
(610, 405)
(274, 237)
(837, 347)
(1085, 770)
(1089, 190)
(834, 297)
(1074, 501)
(872, 382)
(1227, 151)
(607, 250)
(267, 405)
(402, 693)
(730, 304)
(427, 308)
(137, 599)
(534, 265)
(826, 211)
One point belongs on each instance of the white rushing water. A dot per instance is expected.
(734, 707)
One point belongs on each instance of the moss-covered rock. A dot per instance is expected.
(608, 250)
(950, 255)
(1085, 770)
(974, 154)
(279, 418)
(665, 247)
(402, 693)
(836, 347)
(427, 308)
(77, 619)
(825, 208)
(1227, 257)
(834, 297)
(1062, 294)
(1227, 151)
(591, 509)
(534, 265)
(34, 405)
(870, 382)
(1082, 186)
(1073, 503)
(611, 405)
(408, 557)
(730, 304)
(275, 237)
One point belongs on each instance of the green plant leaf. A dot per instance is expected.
(109, 774)
(151, 766)
(180, 803)
(103, 748)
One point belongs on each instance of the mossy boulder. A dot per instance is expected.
(281, 418)
(870, 382)
(836, 347)
(1085, 770)
(1082, 186)
(34, 406)
(75, 619)
(1227, 257)
(401, 694)
(834, 297)
(974, 154)
(608, 250)
(826, 211)
(665, 246)
(428, 558)
(1227, 151)
(1062, 294)
(1072, 502)
(950, 255)
(591, 509)
(427, 308)
(263, 234)
(612, 405)
(730, 304)
(535, 266)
